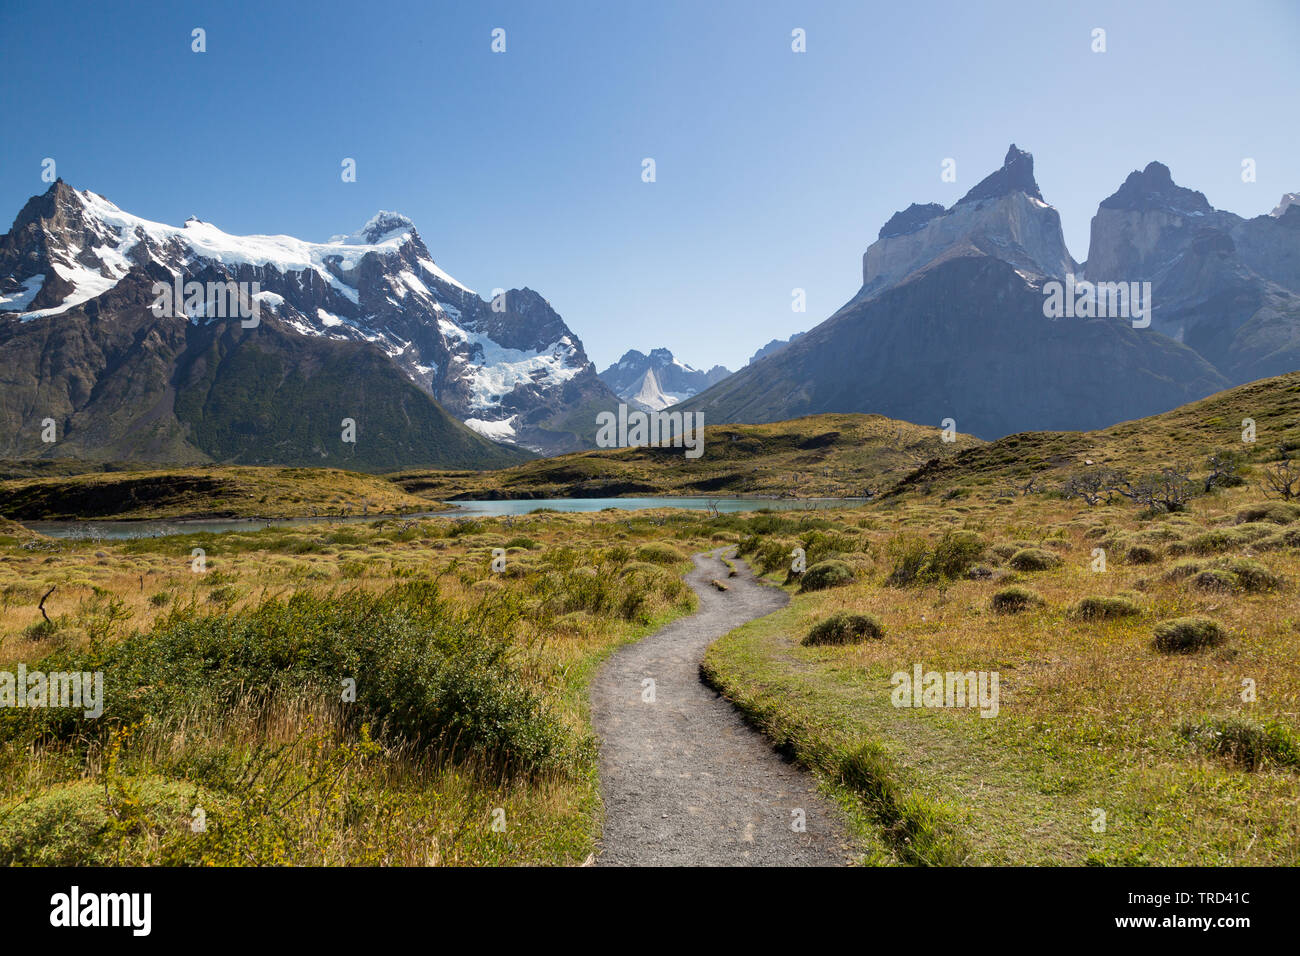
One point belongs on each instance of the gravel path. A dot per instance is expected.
(685, 781)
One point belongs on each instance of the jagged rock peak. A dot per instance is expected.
(1016, 175)
(1154, 188)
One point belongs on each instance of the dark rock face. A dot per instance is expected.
(1016, 175)
(1154, 188)
(967, 340)
(658, 380)
(910, 219)
(511, 368)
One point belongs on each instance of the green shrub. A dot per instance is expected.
(826, 574)
(909, 554)
(1283, 539)
(954, 553)
(1214, 541)
(1012, 600)
(1034, 559)
(82, 824)
(844, 628)
(1244, 743)
(1183, 569)
(1104, 608)
(428, 675)
(1214, 579)
(1252, 575)
(1276, 512)
(658, 553)
(1141, 554)
(1187, 634)
(915, 561)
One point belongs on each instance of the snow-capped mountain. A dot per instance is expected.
(658, 380)
(508, 368)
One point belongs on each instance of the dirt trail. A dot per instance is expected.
(685, 781)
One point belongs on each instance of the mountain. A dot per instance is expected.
(658, 380)
(73, 265)
(1226, 286)
(773, 346)
(950, 322)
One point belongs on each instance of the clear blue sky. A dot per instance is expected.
(775, 169)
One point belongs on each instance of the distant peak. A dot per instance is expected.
(1016, 175)
(1154, 188)
(384, 225)
(1287, 201)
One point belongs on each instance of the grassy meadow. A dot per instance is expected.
(1188, 744)
(376, 692)
(466, 741)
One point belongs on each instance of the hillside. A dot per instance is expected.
(1186, 434)
(230, 492)
(817, 456)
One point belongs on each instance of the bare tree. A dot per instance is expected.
(1224, 470)
(1281, 480)
(1095, 485)
(1169, 490)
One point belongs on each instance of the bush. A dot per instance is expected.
(1276, 512)
(80, 824)
(1183, 569)
(1214, 579)
(1248, 744)
(658, 553)
(1252, 575)
(1284, 539)
(844, 628)
(1214, 541)
(826, 574)
(1187, 634)
(427, 674)
(1141, 554)
(950, 557)
(909, 555)
(1104, 608)
(1034, 559)
(1014, 599)
(954, 553)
